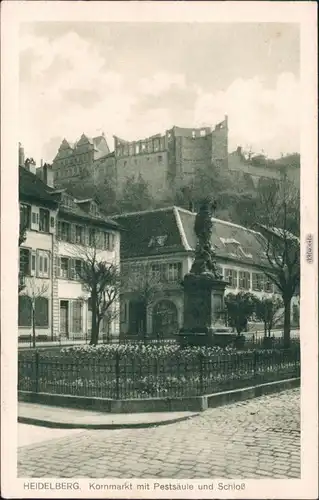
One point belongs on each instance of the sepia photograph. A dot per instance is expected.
(158, 324)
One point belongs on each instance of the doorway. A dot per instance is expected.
(64, 318)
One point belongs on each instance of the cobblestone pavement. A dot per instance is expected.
(259, 438)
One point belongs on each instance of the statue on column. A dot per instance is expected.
(205, 259)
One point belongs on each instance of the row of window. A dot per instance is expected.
(148, 146)
(74, 233)
(171, 272)
(246, 281)
(41, 219)
(34, 263)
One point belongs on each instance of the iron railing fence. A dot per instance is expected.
(125, 376)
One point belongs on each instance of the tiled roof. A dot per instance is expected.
(31, 186)
(150, 233)
(229, 240)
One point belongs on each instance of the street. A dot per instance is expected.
(259, 438)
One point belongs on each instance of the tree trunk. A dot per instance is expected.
(287, 308)
(95, 324)
(33, 327)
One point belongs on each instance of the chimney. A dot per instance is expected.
(30, 165)
(21, 155)
(48, 175)
(191, 206)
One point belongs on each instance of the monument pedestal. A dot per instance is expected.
(204, 322)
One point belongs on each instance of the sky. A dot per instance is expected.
(134, 80)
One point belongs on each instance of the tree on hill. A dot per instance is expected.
(135, 195)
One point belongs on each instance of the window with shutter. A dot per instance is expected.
(44, 220)
(25, 216)
(43, 263)
(33, 263)
(72, 269)
(72, 233)
(64, 268)
(25, 262)
(57, 267)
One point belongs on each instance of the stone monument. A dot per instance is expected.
(204, 289)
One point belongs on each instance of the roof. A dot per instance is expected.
(76, 211)
(32, 187)
(280, 233)
(170, 230)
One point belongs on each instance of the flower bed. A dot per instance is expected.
(137, 370)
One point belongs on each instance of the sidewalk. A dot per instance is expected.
(66, 418)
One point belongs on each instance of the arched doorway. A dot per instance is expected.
(165, 320)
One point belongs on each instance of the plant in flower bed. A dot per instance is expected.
(138, 370)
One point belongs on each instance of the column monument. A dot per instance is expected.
(204, 288)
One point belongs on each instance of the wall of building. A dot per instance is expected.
(174, 293)
(153, 167)
(72, 290)
(35, 241)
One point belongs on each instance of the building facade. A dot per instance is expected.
(60, 233)
(160, 244)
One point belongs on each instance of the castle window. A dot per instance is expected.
(160, 158)
(203, 133)
(193, 134)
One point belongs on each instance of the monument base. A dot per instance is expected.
(204, 312)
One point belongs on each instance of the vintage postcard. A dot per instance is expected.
(159, 273)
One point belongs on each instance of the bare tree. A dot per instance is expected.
(101, 279)
(34, 290)
(279, 222)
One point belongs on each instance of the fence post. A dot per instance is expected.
(36, 372)
(201, 369)
(117, 375)
(255, 363)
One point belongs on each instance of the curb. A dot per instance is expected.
(195, 404)
(69, 425)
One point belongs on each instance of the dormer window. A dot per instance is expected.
(157, 241)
